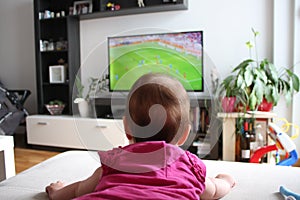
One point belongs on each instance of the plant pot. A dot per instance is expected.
(84, 108)
(228, 104)
(265, 106)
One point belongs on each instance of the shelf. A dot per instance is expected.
(136, 10)
(54, 19)
(64, 33)
(55, 51)
(56, 84)
(67, 28)
(265, 115)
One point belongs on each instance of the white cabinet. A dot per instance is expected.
(7, 158)
(75, 132)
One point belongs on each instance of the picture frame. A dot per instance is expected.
(57, 74)
(82, 7)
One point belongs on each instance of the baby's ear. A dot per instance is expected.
(184, 136)
(127, 129)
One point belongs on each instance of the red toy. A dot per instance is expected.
(283, 141)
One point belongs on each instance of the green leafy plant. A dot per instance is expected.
(79, 87)
(252, 81)
(56, 102)
(92, 88)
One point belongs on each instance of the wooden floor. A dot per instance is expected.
(26, 158)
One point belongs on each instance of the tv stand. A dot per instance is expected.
(109, 104)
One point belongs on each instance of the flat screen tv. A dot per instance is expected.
(178, 54)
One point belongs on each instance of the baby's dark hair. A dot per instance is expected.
(157, 109)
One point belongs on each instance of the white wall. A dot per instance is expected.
(286, 52)
(226, 25)
(296, 59)
(17, 61)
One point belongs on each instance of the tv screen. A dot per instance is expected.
(177, 54)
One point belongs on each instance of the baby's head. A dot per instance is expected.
(157, 110)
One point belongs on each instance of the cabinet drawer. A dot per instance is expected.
(74, 132)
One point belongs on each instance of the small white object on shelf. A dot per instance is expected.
(57, 74)
(141, 3)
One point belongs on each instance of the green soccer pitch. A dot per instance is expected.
(132, 61)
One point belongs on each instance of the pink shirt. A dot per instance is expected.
(149, 170)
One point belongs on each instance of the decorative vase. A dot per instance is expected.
(228, 104)
(55, 109)
(84, 108)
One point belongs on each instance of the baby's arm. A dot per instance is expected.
(218, 187)
(59, 191)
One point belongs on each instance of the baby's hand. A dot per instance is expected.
(227, 178)
(50, 189)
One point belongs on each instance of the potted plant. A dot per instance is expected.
(83, 100)
(258, 85)
(231, 94)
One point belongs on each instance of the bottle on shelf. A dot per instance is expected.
(239, 133)
(245, 144)
(238, 147)
(252, 138)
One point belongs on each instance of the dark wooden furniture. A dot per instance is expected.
(55, 29)
(65, 27)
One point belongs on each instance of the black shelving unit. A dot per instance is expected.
(56, 29)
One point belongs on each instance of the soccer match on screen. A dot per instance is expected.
(177, 54)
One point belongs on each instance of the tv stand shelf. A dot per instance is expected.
(119, 99)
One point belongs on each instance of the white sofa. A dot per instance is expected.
(254, 181)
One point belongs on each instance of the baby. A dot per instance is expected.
(153, 166)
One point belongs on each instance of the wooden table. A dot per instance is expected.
(229, 130)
